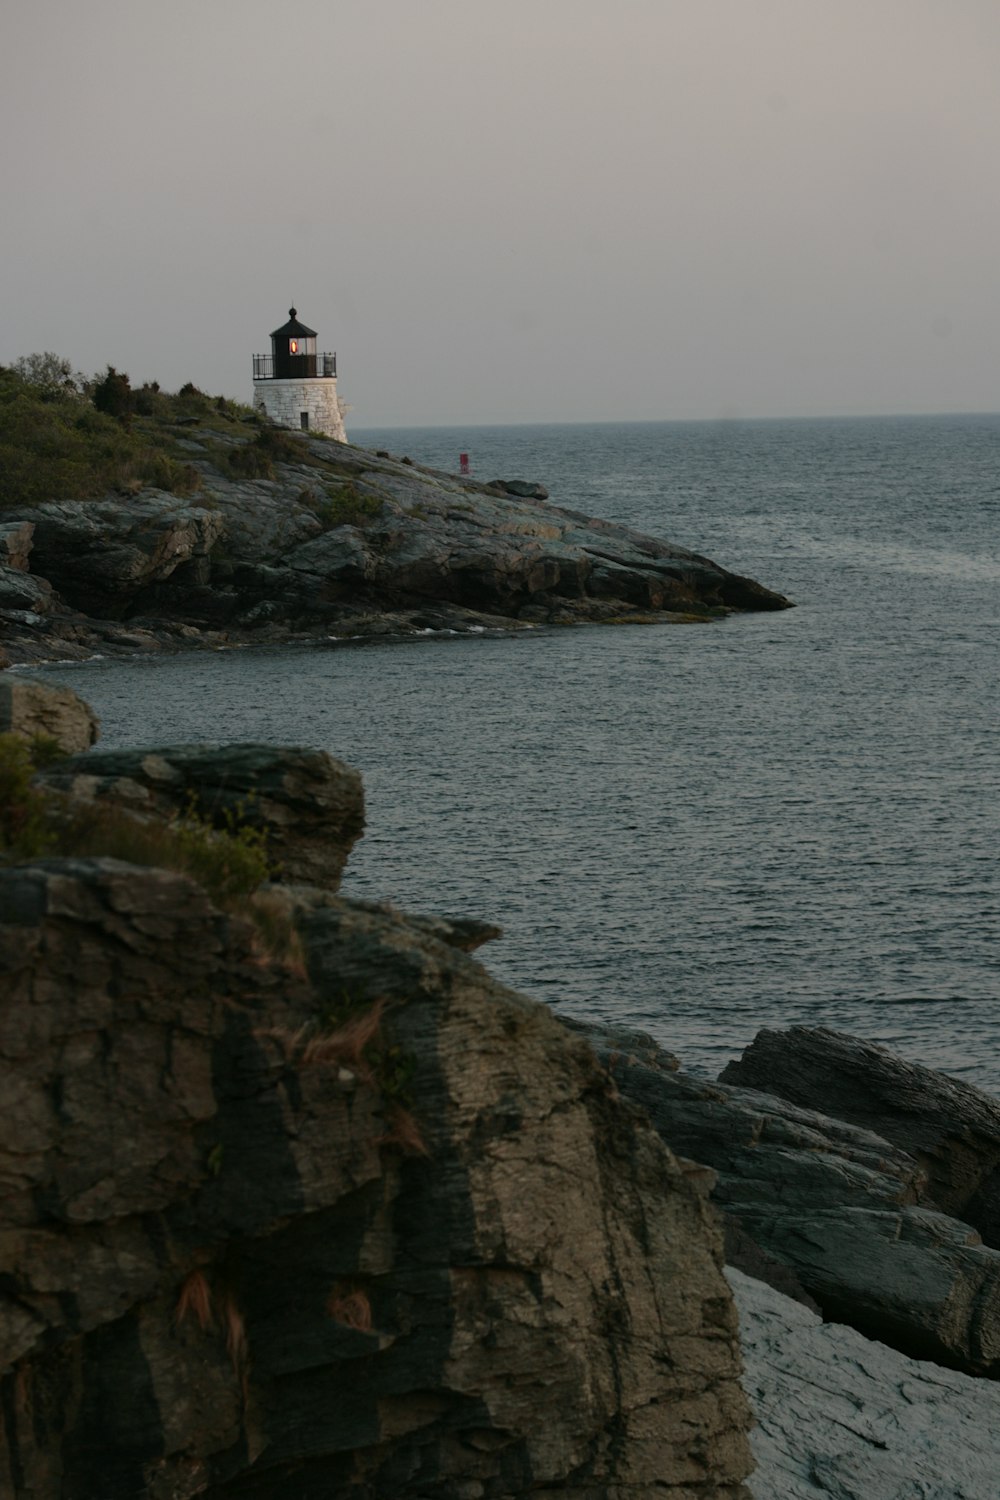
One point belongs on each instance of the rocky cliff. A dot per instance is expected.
(316, 1207)
(296, 1200)
(334, 541)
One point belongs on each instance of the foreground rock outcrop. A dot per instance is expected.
(823, 1206)
(950, 1128)
(325, 1210)
(31, 709)
(339, 541)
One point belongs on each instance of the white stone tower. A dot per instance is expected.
(296, 387)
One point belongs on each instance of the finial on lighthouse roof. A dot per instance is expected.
(291, 312)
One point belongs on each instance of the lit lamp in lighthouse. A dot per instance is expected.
(293, 349)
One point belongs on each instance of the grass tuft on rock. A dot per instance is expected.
(228, 863)
(26, 830)
(344, 505)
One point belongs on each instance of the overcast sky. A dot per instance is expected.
(514, 210)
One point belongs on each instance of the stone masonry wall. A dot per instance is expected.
(283, 401)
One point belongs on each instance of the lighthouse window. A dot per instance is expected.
(304, 420)
(293, 346)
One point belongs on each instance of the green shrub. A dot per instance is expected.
(151, 467)
(25, 824)
(50, 374)
(150, 401)
(281, 445)
(113, 396)
(191, 405)
(60, 448)
(227, 862)
(344, 505)
(56, 445)
(257, 458)
(45, 750)
(250, 461)
(230, 861)
(234, 411)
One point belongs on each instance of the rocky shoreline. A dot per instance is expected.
(297, 1199)
(340, 542)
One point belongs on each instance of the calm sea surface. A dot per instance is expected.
(699, 829)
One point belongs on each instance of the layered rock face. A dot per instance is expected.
(950, 1128)
(368, 545)
(826, 1207)
(331, 1213)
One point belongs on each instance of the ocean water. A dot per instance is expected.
(696, 829)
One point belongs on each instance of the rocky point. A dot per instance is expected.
(339, 542)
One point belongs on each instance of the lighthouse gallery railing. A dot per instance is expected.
(322, 366)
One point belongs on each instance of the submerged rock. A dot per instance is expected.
(525, 489)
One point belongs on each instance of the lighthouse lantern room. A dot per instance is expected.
(296, 387)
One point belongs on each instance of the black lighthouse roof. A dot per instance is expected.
(293, 329)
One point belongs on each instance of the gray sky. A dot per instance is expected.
(534, 210)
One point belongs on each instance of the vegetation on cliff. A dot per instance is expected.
(228, 862)
(55, 441)
(66, 437)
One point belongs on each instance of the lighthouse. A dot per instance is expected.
(296, 387)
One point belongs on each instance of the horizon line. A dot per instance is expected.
(725, 420)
